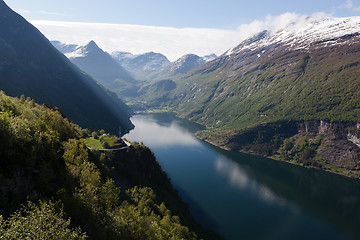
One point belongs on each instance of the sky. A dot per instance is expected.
(171, 27)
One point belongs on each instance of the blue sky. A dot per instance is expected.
(224, 14)
(172, 27)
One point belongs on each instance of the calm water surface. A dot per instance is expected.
(246, 197)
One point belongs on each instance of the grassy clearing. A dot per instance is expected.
(103, 142)
(93, 143)
(161, 110)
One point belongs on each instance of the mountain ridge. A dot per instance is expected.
(100, 65)
(265, 81)
(303, 34)
(141, 65)
(181, 66)
(31, 66)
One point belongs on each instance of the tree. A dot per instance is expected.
(41, 221)
(106, 144)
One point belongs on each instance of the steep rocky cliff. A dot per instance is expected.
(339, 145)
(331, 146)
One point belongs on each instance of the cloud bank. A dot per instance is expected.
(350, 5)
(172, 42)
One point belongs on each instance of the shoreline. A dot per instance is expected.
(276, 159)
(347, 175)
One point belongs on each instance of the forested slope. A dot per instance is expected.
(70, 192)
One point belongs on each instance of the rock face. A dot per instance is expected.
(340, 144)
(31, 66)
(331, 146)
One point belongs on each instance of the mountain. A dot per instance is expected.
(63, 47)
(156, 92)
(181, 66)
(155, 66)
(210, 57)
(291, 94)
(141, 65)
(285, 67)
(123, 58)
(159, 89)
(100, 65)
(185, 64)
(31, 66)
(50, 177)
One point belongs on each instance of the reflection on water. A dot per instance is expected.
(239, 178)
(248, 197)
(152, 130)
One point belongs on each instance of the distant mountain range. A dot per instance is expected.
(31, 66)
(155, 66)
(181, 66)
(307, 71)
(141, 65)
(125, 73)
(100, 65)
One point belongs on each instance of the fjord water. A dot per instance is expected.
(240, 196)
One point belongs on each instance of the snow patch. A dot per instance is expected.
(301, 34)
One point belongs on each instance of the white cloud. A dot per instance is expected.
(172, 42)
(276, 23)
(21, 10)
(51, 13)
(349, 4)
(239, 178)
(41, 12)
(279, 22)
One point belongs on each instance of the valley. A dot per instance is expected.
(65, 171)
(260, 142)
(230, 191)
(258, 96)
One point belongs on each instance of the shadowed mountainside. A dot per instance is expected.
(31, 66)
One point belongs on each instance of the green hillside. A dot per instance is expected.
(316, 86)
(53, 187)
(248, 103)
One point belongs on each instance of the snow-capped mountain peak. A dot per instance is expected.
(64, 47)
(120, 55)
(303, 34)
(210, 57)
(83, 51)
(186, 62)
(141, 65)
